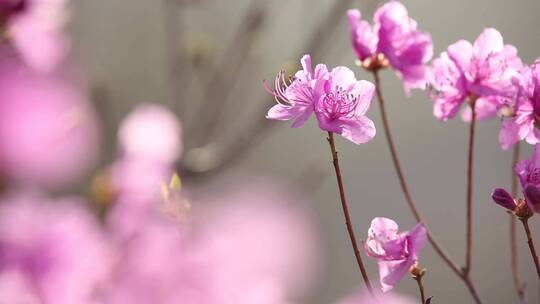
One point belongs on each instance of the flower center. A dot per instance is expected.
(339, 104)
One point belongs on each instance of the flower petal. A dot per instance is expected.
(359, 130)
(363, 90)
(532, 196)
(391, 272)
(490, 41)
(509, 133)
(417, 239)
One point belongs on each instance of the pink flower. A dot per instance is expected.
(395, 252)
(35, 27)
(523, 125)
(528, 171)
(396, 36)
(339, 101)
(49, 133)
(342, 106)
(50, 251)
(484, 71)
(150, 144)
(296, 99)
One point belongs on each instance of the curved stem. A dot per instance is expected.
(408, 198)
(531, 245)
(513, 239)
(421, 288)
(346, 213)
(470, 166)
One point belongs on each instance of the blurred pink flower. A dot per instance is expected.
(35, 27)
(342, 106)
(295, 99)
(396, 36)
(151, 132)
(523, 124)
(48, 132)
(395, 252)
(263, 236)
(50, 251)
(150, 143)
(485, 70)
(238, 247)
(387, 298)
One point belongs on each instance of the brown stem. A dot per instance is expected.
(531, 245)
(470, 164)
(418, 280)
(345, 207)
(513, 239)
(408, 198)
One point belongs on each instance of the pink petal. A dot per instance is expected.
(391, 272)
(359, 130)
(342, 77)
(490, 41)
(485, 108)
(363, 38)
(461, 53)
(306, 64)
(364, 91)
(509, 134)
(417, 239)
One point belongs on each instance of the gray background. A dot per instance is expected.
(122, 45)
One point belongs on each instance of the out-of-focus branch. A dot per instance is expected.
(217, 87)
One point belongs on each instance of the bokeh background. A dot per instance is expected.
(206, 60)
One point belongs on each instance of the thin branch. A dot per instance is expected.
(408, 198)
(470, 167)
(520, 288)
(345, 207)
(525, 222)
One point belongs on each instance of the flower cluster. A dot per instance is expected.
(482, 72)
(395, 40)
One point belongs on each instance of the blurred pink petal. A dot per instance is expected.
(151, 132)
(48, 132)
(37, 31)
(50, 250)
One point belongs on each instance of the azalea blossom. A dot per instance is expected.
(483, 72)
(338, 100)
(36, 30)
(393, 39)
(395, 252)
(523, 123)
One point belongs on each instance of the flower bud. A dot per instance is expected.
(503, 198)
